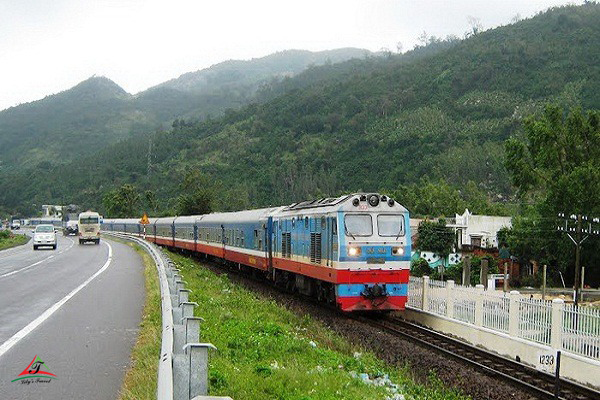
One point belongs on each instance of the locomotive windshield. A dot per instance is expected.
(390, 225)
(358, 225)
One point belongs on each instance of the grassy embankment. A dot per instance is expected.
(268, 352)
(8, 240)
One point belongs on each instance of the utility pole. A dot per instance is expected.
(578, 235)
(544, 283)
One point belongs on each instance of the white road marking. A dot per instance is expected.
(16, 338)
(34, 264)
(23, 269)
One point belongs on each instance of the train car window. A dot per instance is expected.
(358, 225)
(334, 226)
(390, 225)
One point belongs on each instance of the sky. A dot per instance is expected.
(47, 46)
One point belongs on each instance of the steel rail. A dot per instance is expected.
(539, 383)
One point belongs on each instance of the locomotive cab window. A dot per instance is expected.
(358, 225)
(390, 225)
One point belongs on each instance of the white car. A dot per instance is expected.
(44, 235)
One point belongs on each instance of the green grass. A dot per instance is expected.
(267, 352)
(8, 240)
(141, 377)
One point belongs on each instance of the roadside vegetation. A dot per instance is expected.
(141, 377)
(9, 239)
(267, 352)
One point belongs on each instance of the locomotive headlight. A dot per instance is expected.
(398, 251)
(373, 200)
(353, 251)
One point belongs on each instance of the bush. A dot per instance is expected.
(4, 234)
(528, 280)
(420, 267)
(454, 272)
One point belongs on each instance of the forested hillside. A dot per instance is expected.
(97, 112)
(394, 124)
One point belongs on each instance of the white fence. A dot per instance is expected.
(581, 330)
(551, 323)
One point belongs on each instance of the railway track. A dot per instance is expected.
(540, 384)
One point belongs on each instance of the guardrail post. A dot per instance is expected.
(183, 295)
(187, 309)
(179, 285)
(177, 315)
(557, 324)
(513, 313)
(450, 299)
(479, 305)
(178, 338)
(197, 361)
(425, 293)
(192, 329)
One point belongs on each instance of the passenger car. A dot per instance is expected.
(44, 235)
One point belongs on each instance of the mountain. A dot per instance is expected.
(440, 113)
(281, 64)
(71, 123)
(231, 84)
(97, 112)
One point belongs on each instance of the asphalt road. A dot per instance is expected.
(78, 309)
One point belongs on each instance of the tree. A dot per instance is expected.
(399, 47)
(555, 166)
(151, 201)
(475, 24)
(197, 194)
(436, 237)
(420, 267)
(196, 203)
(122, 202)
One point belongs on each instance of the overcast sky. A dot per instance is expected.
(47, 46)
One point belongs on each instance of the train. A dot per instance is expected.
(352, 251)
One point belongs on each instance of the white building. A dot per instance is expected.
(51, 210)
(478, 230)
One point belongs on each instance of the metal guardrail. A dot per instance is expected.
(183, 364)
